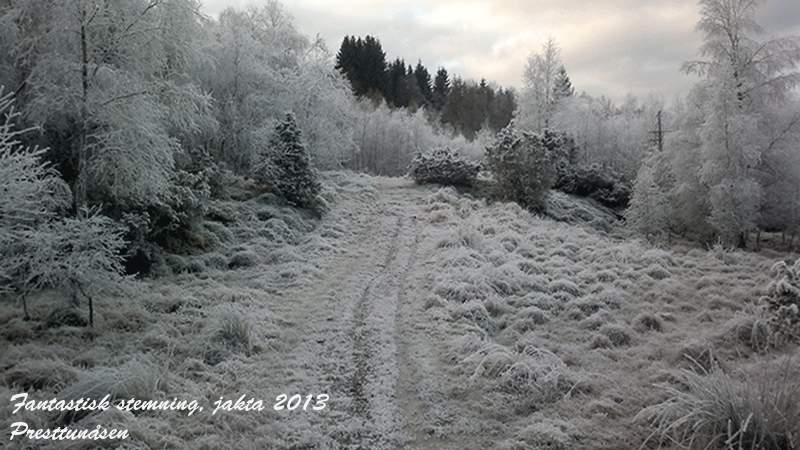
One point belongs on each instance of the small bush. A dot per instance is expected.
(443, 166)
(595, 182)
(523, 167)
(619, 335)
(782, 302)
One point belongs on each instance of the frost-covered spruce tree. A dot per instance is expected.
(649, 207)
(286, 165)
(39, 249)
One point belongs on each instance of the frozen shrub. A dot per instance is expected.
(81, 255)
(278, 231)
(543, 433)
(534, 314)
(598, 183)
(443, 166)
(464, 346)
(752, 330)
(215, 260)
(529, 318)
(540, 300)
(657, 272)
(578, 308)
(600, 341)
(37, 374)
(535, 373)
(65, 316)
(522, 167)
(694, 354)
(459, 291)
(782, 302)
(597, 320)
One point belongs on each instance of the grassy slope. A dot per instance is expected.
(512, 331)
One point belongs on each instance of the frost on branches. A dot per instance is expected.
(39, 248)
(523, 166)
(286, 166)
(443, 166)
(782, 301)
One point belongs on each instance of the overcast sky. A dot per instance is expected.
(609, 48)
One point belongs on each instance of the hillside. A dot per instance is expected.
(418, 317)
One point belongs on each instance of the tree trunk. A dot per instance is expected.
(80, 184)
(742, 240)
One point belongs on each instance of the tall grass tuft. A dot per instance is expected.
(719, 412)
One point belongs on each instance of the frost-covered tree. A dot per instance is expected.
(615, 137)
(544, 83)
(39, 249)
(744, 81)
(107, 81)
(261, 67)
(648, 212)
(286, 166)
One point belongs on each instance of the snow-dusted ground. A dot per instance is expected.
(430, 320)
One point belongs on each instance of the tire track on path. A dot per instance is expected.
(359, 331)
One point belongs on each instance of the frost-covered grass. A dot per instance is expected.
(544, 334)
(614, 316)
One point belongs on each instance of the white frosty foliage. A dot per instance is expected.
(38, 249)
(648, 209)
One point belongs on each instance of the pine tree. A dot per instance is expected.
(649, 207)
(441, 89)
(424, 83)
(363, 62)
(287, 167)
(562, 87)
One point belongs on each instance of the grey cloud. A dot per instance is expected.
(609, 48)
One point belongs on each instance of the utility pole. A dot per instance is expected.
(659, 134)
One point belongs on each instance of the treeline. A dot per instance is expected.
(465, 106)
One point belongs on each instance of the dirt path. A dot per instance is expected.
(361, 332)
